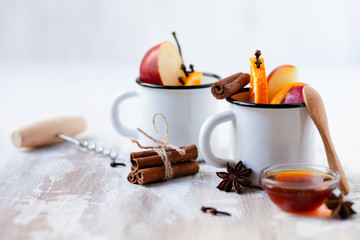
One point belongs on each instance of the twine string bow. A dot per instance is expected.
(163, 145)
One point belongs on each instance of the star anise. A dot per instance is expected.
(234, 178)
(339, 207)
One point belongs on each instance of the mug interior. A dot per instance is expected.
(208, 78)
(241, 99)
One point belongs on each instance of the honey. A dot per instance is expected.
(298, 190)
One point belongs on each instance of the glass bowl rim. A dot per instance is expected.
(265, 182)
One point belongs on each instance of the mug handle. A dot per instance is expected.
(205, 135)
(115, 115)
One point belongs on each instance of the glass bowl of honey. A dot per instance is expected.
(298, 187)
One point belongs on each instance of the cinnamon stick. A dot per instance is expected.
(132, 177)
(146, 159)
(230, 85)
(157, 174)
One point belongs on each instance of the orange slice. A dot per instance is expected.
(194, 78)
(279, 98)
(241, 96)
(258, 92)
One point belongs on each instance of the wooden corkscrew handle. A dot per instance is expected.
(44, 133)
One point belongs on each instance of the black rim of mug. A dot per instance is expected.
(255, 105)
(179, 87)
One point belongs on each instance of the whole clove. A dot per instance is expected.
(257, 54)
(192, 68)
(182, 67)
(181, 80)
(258, 62)
(213, 211)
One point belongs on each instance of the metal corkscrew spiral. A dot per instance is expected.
(93, 148)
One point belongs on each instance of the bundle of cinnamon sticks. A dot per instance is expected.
(148, 167)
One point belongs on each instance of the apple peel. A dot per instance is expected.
(295, 94)
(279, 98)
(161, 65)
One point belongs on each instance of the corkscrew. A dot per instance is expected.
(92, 147)
(54, 131)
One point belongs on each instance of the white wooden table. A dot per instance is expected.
(59, 192)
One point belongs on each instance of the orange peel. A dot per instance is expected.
(258, 92)
(193, 79)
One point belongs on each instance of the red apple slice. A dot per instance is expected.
(279, 98)
(295, 95)
(161, 65)
(281, 77)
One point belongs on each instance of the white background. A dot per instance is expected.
(215, 35)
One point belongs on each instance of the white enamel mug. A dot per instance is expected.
(262, 135)
(185, 108)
